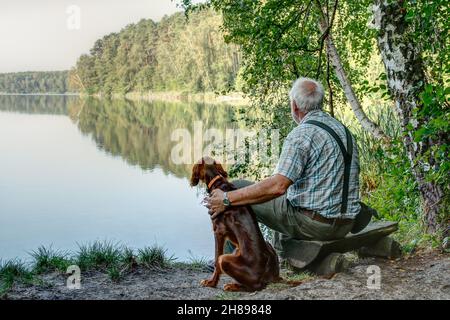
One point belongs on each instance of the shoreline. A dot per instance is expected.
(234, 98)
(422, 276)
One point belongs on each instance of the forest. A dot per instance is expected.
(175, 54)
(34, 82)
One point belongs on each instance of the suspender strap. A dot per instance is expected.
(346, 153)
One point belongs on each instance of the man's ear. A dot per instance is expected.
(220, 169)
(195, 177)
(294, 105)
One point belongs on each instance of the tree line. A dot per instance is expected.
(179, 53)
(34, 82)
(175, 54)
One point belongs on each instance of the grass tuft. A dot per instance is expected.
(154, 257)
(128, 259)
(194, 263)
(12, 271)
(114, 273)
(198, 264)
(298, 276)
(99, 255)
(48, 259)
(105, 256)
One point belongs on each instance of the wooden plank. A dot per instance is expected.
(301, 253)
(371, 234)
(385, 247)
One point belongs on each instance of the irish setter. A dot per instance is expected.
(254, 263)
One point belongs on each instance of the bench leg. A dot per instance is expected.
(333, 263)
(385, 248)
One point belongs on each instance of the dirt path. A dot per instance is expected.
(422, 276)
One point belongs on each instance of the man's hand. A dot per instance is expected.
(260, 192)
(215, 203)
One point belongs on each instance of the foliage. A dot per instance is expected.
(34, 82)
(36, 104)
(99, 255)
(280, 40)
(430, 27)
(13, 271)
(173, 54)
(114, 259)
(194, 263)
(47, 259)
(140, 131)
(154, 257)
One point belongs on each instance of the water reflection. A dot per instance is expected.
(139, 132)
(74, 171)
(36, 104)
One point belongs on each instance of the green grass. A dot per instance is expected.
(200, 264)
(128, 259)
(114, 273)
(13, 271)
(297, 276)
(194, 263)
(110, 257)
(290, 275)
(48, 259)
(106, 256)
(99, 255)
(154, 258)
(411, 237)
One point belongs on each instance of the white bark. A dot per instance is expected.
(353, 100)
(406, 79)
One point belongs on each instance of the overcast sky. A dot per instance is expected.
(41, 35)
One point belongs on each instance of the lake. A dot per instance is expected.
(78, 170)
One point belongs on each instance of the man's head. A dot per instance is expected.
(306, 95)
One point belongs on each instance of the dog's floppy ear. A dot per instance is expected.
(195, 178)
(219, 168)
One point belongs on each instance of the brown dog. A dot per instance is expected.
(254, 263)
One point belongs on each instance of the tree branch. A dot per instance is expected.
(365, 122)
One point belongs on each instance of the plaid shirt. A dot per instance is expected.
(312, 160)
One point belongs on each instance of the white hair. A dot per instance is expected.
(307, 94)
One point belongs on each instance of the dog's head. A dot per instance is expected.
(206, 168)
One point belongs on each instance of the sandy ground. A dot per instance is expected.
(422, 276)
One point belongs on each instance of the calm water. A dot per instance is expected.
(74, 171)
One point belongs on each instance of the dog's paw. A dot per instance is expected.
(233, 287)
(208, 283)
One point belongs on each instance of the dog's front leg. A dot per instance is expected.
(220, 241)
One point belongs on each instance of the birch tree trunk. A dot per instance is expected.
(365, 122)
(406, 80)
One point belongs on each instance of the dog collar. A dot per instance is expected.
(213, 180)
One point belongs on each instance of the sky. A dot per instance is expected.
(48, 35)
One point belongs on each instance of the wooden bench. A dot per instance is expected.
(326, 257)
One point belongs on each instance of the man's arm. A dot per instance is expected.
(265, 190)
